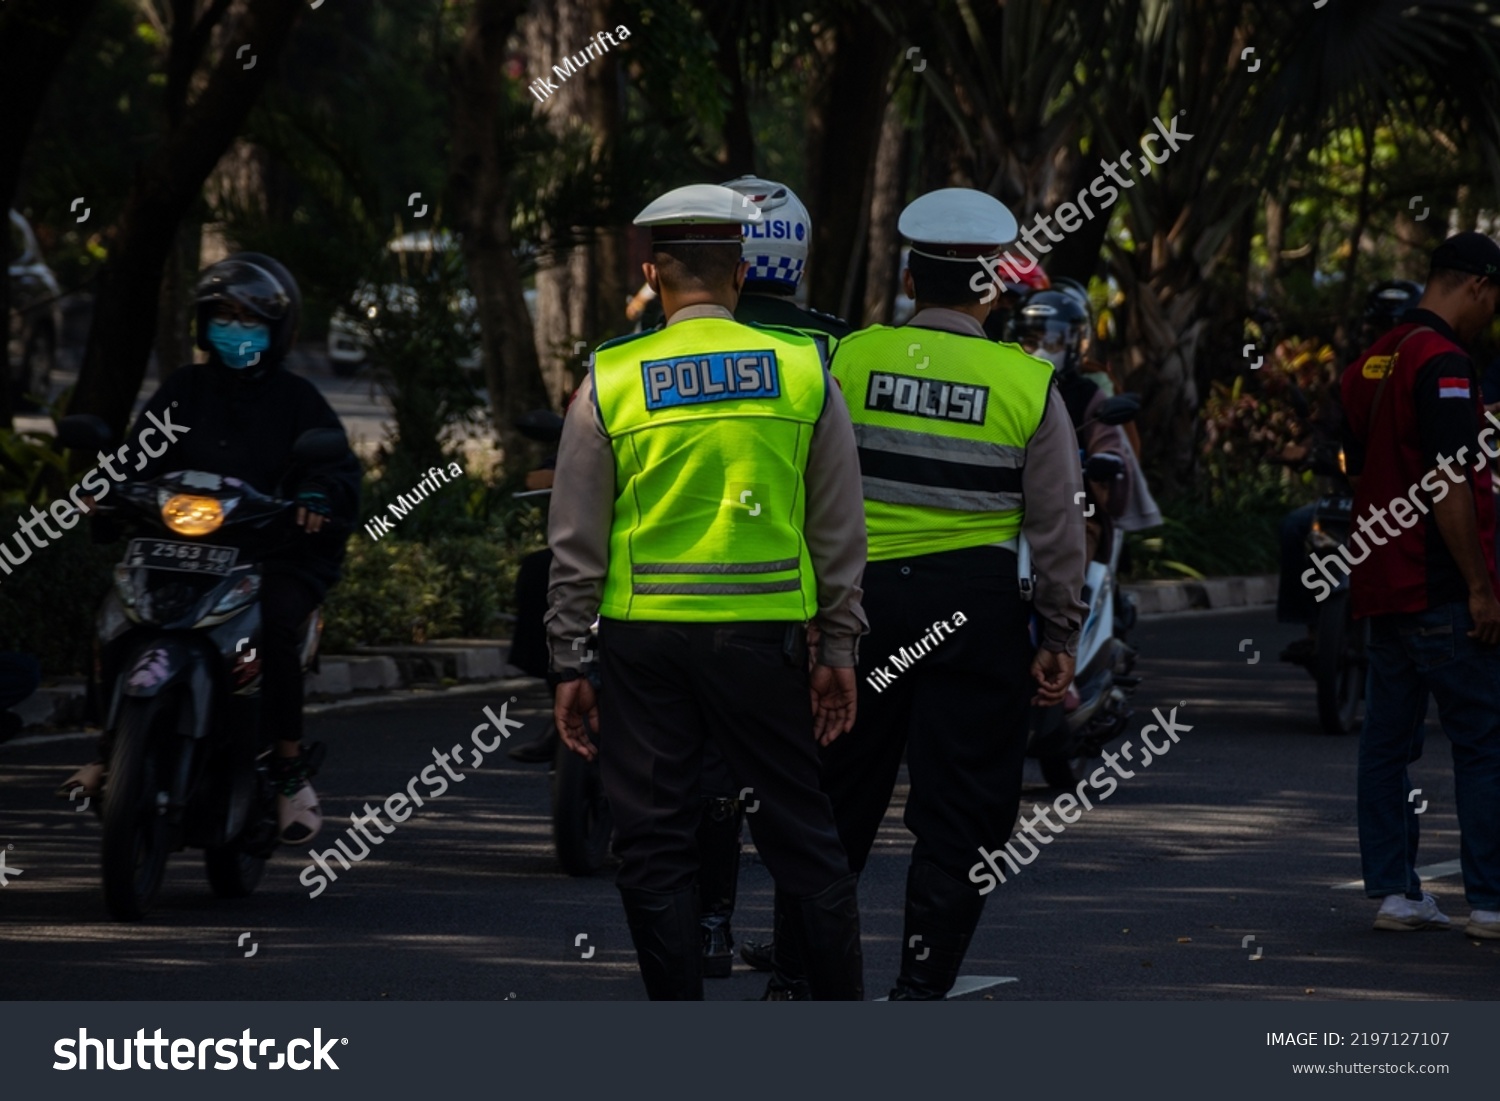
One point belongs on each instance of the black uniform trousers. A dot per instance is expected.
(670, 689)
(960, 712)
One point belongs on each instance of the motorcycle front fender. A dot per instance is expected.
(164, 663)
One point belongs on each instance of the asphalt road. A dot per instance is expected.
(1244, 829)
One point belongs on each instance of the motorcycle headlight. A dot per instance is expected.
(241, 593)
(188, 515)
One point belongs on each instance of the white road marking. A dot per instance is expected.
(972, 984)
(1432, 871)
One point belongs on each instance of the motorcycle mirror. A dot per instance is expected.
(318, 445)
(1120, 409)
(84, 432)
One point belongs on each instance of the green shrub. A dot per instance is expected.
(47, 603)
(480, 578)
(391, 593)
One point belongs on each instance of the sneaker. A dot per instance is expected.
(298, 816)
(1400, 914)
(1484, 924)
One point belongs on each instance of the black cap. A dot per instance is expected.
(1474, 253)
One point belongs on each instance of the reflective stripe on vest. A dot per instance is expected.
(710, 423)
(918, 468)
(942, 421)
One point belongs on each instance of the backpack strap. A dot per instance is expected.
(1380, 390)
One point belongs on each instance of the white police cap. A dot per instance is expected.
(697, 214)
(957, 223)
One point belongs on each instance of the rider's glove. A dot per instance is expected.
(315, 500)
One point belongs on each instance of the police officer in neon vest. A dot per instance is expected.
(708, 507)
(777, 234)
(964, 445)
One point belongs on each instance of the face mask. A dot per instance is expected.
(1057, 357)
(239, 345)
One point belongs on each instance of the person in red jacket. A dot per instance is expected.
(1423, 575)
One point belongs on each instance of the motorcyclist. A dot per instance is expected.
(242, 412)
(998, 325)
(1055, 325)
(1385, 305)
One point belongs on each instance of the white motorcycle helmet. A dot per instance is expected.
(776, 241)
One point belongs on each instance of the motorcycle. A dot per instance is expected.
(1338, 661)
(177, 675)
(1064, 742)
(582, 825)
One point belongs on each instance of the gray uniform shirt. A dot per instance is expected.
(583, 508)
(1053, 525)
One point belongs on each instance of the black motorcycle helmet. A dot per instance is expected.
(261, 285)
(1053, 322)
(1387, 303)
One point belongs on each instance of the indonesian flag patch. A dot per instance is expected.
(1454, 388)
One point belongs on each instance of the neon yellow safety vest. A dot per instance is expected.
(710, 422)
(942, 420)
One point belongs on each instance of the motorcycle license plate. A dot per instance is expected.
(160, 554)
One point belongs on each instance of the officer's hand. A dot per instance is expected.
(1486, 612)
(575, 710)
(833, 702)
(1053, 673)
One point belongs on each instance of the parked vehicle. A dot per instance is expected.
(178, 676)
(35, 314)
(1065, 742)
(349, 352)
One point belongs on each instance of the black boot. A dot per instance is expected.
(941, 914)
(785, 955)
(829, 923)
(667, 940)
(718, 881)
(538, 750)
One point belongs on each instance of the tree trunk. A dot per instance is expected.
(174, 339)
(567, 301)
(843, 125)
(483, 203)
(167, 185)
(35, 36)
(882, 279)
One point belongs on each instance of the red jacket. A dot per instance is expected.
(1401, 562)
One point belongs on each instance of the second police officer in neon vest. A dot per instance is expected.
(965, 446)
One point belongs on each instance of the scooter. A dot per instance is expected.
(177, 673)
(1066, 742)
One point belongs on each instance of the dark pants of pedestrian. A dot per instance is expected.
(960, 713)
(1411, 655)
(668, 690)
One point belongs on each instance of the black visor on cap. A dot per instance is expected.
(246, 284)
(1473, 253)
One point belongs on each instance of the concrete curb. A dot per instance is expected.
(371, 671)
(1165, 597)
